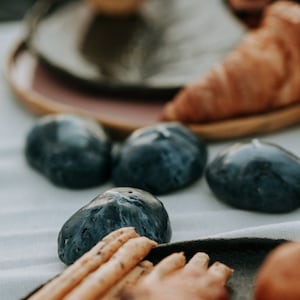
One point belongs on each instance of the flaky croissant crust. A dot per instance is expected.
(261, 74)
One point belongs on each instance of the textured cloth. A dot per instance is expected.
(33, 210)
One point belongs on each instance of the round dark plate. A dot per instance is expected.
(152, 53)
(244, 255)
(43, 92)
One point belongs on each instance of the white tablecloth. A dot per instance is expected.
(33, 210)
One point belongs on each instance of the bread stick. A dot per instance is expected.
(67, 280)
(128, 280)
(198, 264)
(100, 281)
(220, 272)
(165, 267)
(186, 282)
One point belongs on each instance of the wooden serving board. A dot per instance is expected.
(44, 92)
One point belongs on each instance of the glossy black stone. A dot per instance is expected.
(116, 208)
(70, 151)
(160, 159)
(256, 176)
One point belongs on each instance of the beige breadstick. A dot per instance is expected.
(128, 280)
(99, 254)
(194, 281)
(165, 267)
(198, 264)
(220, 272)
(100, 281)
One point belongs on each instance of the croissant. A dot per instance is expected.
(261, 74)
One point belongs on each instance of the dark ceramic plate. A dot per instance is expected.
(14, 10)
(154, 52)
(244, 255)
(42, 92)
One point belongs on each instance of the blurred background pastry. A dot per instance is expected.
(249, 5)
(115, 7)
